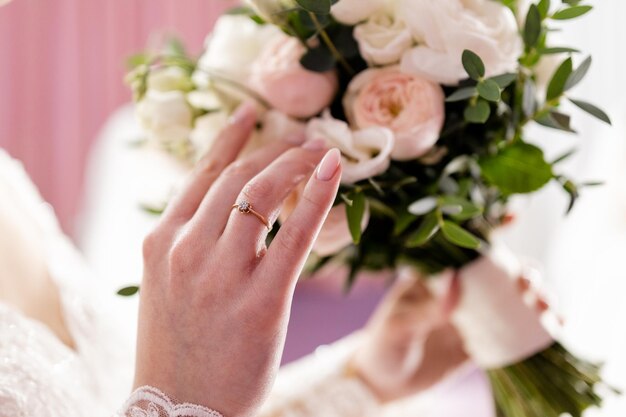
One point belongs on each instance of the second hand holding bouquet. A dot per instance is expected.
(427, 102)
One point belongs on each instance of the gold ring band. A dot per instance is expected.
(245, 207)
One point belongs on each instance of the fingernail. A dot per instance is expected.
(296, 138)
(329, 165)
(314, 145)
(245, 113)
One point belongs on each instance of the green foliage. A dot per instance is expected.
(478, 112)
(315, 6)
(592, 110)
(473, 65)
(128, 291)
(517, 169)
(559, 80)
(355, 212)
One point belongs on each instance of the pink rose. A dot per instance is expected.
(278, 76)
(335, 234)
(411, 106)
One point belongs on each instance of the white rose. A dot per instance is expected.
(206, 130)
(351, 12)
(444, 28)
(365, 153)
(383, 39)
(234, 45)
(165, 116)
(168, 79)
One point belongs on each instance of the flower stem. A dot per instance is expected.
(331, 46)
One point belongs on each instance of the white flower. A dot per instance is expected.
(383, 39)
(169, 79)
(365, 153)
(165, 116)
(270, 10)
(444, 28)
(351, 12)
(234, 45)
(206, 131)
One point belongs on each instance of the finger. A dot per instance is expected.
(266, 193)
(225, 150)
(292, 244)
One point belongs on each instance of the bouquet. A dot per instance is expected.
(428, 103)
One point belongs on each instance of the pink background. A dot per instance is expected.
(62, 64)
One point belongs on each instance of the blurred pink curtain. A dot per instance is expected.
(62, 64)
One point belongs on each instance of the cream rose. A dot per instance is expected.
(270, 10)
(351, 12)
(444, 28)
(290, 88)
(411, 106)
(235, 43)
(365, 153)
(165, 116)
(383, 39)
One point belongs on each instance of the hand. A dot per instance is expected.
(409, 344)
(215, 300)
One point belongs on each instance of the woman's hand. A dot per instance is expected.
(215, 300)
(409, 342)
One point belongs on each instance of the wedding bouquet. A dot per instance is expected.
(428, 103)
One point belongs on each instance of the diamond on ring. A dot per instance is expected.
(244, 206)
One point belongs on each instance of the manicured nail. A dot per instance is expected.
(314, 145)
(245, 113)
(329, 165)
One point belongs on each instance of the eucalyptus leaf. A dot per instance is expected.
(559, 79)
(532, 27)
(489, 90)
(459, 236)
(355, 213)
(592, 110)
(571, 12)
(544, 7)
(478, 113)
(558, 50)
(468, 210)
(128, 291)
(427, 229)
(504, 80)
(578, 74)
(517, 169)
(473, 65)
(462, 94)
(315, 6)
(556, 120)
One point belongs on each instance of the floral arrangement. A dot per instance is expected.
(428, 103)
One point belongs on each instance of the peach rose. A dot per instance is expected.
(335, 234)
(411, 106)
(278, 76)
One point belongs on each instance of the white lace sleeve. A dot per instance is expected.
(151, 402)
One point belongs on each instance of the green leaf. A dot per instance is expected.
(544, 7)
(128, 291)
(558, 50)
(468, 210)
(532, 27)
(577, 75)
(571, 12)
(355, 213)
(315, 6)
(153, 210)
(462, 94)
(517, 169)
(427, 229)
(504, 80)
(473, 65)
(459, 236)
(557, 83)
(489, 90)
(592, 110)
(478, 113)
(564, 156)
(318, 59)
(556, 120)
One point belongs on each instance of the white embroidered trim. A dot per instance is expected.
(151, 402)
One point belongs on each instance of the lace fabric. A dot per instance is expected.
(151, 402)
